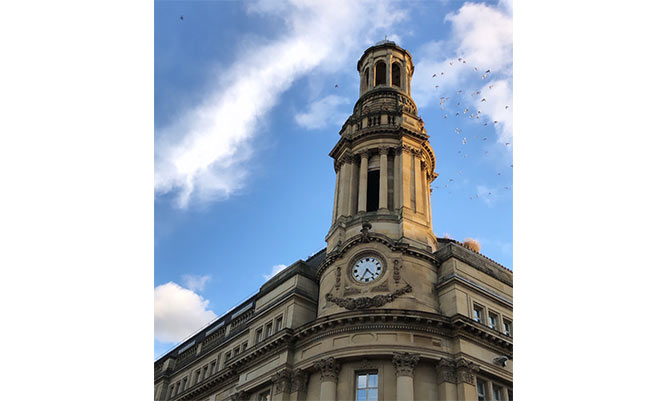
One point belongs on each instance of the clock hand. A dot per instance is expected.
(367, 270)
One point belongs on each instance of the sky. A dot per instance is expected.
(249, 100)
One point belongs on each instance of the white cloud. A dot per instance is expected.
(178, 312)
(322, 113)
(195, 282)
(274, 271)
(483, 36)
(204, 154)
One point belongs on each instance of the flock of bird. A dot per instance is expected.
(452, 104)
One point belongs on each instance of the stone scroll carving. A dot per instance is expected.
(368, 302)
(287, 381)
(299, 381)
(329, 369)
(404, 363)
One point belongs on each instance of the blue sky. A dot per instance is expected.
(246, 112)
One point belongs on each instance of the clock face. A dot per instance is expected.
(367, 269)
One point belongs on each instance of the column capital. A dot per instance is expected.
(446, 371)
(240, 396)
(329, 369)
(466, 371)
(383, 150)
(347, 157)
(299, 381)
(397, 150)
(364, 153)
(282, 381)
(404, 363)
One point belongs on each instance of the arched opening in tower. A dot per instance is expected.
(381, 73)
(366, 78)
(396, 75)
(372, 190)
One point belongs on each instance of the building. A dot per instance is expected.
(387, 311)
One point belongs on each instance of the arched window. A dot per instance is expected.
(381, 73)
(396, 75)
(366, 78)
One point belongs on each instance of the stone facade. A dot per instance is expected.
(387, 310)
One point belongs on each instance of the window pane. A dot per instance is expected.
(373, 394)
(497, 394)
(361, 395)
(361, 381)
(373, 380)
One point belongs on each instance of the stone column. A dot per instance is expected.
(447, 380)
(349, 160)
(406, 173)
(341, 203)
(504, 393)
(337, 186)
(397, 178)
(382, 203)
(419, 183)
(329, 373)
(466, 371)
(281, 383)
(298, 386)
(404, 363)
(364, 170)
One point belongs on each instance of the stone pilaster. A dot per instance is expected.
(397, 178)
(281, 382)
(329, 374)
(447, 379)
(405, 363)
(298, 385)
(466, 372)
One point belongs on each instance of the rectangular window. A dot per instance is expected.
(213, 367)
(279, 323)
(178, 386)
(204, 372)
(493, 319)
(171, 390)
(477, 313)
(366, 386)
(228, 356)
(185, 381)
(481, 389)
(244, 346)
(268, 330)
(264, 396)
(497, 393)
(258, 335)
(197, 373)
(236, 351)
(507, 327)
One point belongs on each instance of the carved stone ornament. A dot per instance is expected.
(466, 371)
(404, 363)
(299, 381)
(347, 158)
(381, 287)
(240, 396)
(363, 154)
(338, 277)
(395, 273)
(366, 226)
(329, 369)
(351, 291)
(446, 371)
(282, 381)
(368, 302)
(383, 150)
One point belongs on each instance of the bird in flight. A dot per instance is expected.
(182, 18)
(459, 59)
(484, 139)
(485, 124)
(336, 85)
(433, 75)
(487, 72)
(483, 100)
(456, 114)
(475, 68)
(459, 91)
(506, 107)
(507, 143)
(495, 121)
(464, 141)
(445, 116)
(491, 86)
(451, 63)
(436, 86)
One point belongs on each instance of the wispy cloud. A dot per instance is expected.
(323, 112)
(274, 271)
(204, 154)
(178, 312)
(195, 282)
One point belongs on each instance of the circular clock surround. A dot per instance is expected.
(367, 268)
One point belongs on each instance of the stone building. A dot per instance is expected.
(387, 311)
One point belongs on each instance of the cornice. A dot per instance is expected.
(476, 260)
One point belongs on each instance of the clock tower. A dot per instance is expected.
(381, 241)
